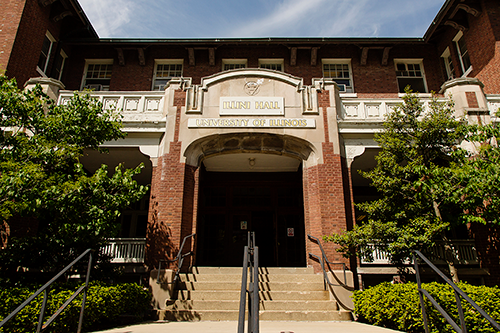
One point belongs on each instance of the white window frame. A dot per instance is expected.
(339, 61)
(52, 40)
(272, 61)
(448, 64)
(97, 87)
(465, 71)
(412, 61)
(165, 62)
(242, 62)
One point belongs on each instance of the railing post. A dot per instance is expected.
(42, 310)
(87, 279)
(251, 247)
(460, 312)
(419, 286)
(241, 318)
(255, 308)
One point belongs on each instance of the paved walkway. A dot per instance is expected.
(265, 327)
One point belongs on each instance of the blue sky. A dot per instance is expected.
(260, 18)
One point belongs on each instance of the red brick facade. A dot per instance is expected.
(327, 184)
(10, 17)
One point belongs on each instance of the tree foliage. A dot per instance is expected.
(41, 176)
(427, 180)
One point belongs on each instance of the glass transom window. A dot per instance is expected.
(165, 71)
(233, 66)
(410, 73)
(229, 64)
(340, 72)
(272, 64)
(99, 71)
(98, 75)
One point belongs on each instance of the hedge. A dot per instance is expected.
(105, 303)
(397, 306)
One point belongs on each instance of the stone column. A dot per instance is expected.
(173, 189)
(49, 86)
(469, 98)
(327, 193)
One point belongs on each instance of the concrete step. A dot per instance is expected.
(263, 286)
(218, 315)
(189, 277)
(264, 295)
(264, 305)
(305, 315)
(286, 294)
(262, 270)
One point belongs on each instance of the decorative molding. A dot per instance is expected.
(191, 56)
(254, 72)
(121, 57)
(470, 10)
(455, 25)
(142, 59)
(461, 81)
(45, 80)
(314, 56)
(364, 55)
(211, 56)
(45, 3)
(293, 56)
(59, 17)
(385, 56)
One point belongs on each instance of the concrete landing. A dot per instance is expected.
(265, 327)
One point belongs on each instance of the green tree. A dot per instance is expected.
(41, 176)
(421, 180)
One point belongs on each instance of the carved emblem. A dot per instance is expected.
(252, 87)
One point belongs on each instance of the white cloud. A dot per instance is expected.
(261, 18)
(284, 17)
(109, 17)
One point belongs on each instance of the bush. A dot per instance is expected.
(104, 303)
(397, 306)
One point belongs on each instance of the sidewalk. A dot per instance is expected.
(265, 327)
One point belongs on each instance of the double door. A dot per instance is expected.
(233, 204)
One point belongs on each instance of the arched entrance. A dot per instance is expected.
(250, 182)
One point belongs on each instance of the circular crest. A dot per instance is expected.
(252, 87)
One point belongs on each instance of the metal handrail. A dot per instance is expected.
(250, 260)
(179, 258)
(458, 293)
(41, 327)
(325, 259)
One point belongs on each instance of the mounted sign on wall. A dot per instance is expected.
(251, 106)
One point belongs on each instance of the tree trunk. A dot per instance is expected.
(449, 251)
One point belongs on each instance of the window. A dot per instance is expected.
(43, 61)
(98, 74)
(228, 64)
(410, 73)
(274, 64)
(463, 54)
(58, 67)
(340, 71)
(165, 70)
(448, 64)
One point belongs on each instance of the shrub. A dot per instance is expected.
(397, 306)
(104, 303)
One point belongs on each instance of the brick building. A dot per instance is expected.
(256, 134)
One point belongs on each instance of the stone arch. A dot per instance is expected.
(252, 72)
(233, 143)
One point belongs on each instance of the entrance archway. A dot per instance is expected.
(250, 182)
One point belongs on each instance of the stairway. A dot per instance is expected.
(286, 294)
